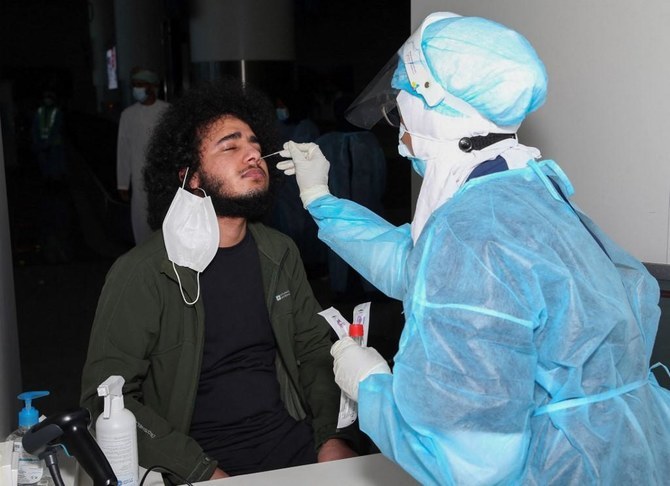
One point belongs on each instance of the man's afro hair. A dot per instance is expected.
(176, 140)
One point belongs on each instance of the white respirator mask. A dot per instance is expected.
(190, 233)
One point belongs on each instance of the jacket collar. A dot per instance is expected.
(270, 251)
(267, 246)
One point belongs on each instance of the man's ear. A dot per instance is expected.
(192, 179)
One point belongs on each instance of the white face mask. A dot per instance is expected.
(140, 94)
(191, 233)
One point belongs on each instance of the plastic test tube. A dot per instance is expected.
(356, 333)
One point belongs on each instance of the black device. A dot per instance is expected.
(69, 430)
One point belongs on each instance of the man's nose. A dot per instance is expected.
(253, 155)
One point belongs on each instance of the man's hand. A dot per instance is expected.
(334, 449)
(219, 474)
(353, 363)
(310, 167)
(124, 195)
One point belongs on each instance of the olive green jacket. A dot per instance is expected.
(145, 332)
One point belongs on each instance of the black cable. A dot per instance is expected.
(50, 457)
(165, 470)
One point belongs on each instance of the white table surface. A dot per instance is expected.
(370, 470)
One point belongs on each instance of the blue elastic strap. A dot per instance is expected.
(660, 365)
(577, 402)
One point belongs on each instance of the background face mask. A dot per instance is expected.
(140, 94)
(282, 114)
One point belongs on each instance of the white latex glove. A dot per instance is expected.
(354, 363)
(310, 167)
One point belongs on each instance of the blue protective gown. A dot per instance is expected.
(525, 354)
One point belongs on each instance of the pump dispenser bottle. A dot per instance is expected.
(116, 432)
(32, 470)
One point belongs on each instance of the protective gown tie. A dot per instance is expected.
(598, 397)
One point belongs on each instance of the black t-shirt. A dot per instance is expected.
(239, 418)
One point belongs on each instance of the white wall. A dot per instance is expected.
(607, 115)
(10, 368)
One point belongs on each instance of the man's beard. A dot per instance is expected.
(252, 206)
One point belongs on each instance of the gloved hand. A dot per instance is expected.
(354, 363)
(310, 167)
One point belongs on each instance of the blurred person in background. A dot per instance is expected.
(47, 140)
(135, 129)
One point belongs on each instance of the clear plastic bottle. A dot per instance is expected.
(32, 471)
(116, 432)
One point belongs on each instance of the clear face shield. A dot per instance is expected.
(377, 101)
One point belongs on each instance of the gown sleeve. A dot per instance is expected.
(374, 247)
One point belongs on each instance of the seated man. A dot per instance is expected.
(212, 322)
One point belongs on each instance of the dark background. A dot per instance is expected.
(65, 238)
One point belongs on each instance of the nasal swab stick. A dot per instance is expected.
(269, 155)
(309, 153)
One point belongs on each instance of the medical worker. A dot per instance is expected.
(525, 354)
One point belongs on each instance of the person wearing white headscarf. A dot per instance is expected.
(135, 128)
(524, 358)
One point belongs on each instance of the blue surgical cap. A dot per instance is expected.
(482, 62)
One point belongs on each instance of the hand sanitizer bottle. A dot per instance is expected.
(116, 432)
(31, 469)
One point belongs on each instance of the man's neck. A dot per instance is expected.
(231, 231)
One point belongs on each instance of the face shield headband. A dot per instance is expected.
(461, 67)
(378, 100)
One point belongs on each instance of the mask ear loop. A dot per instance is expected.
(197, 277)
(197, 274)
(183, 181)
